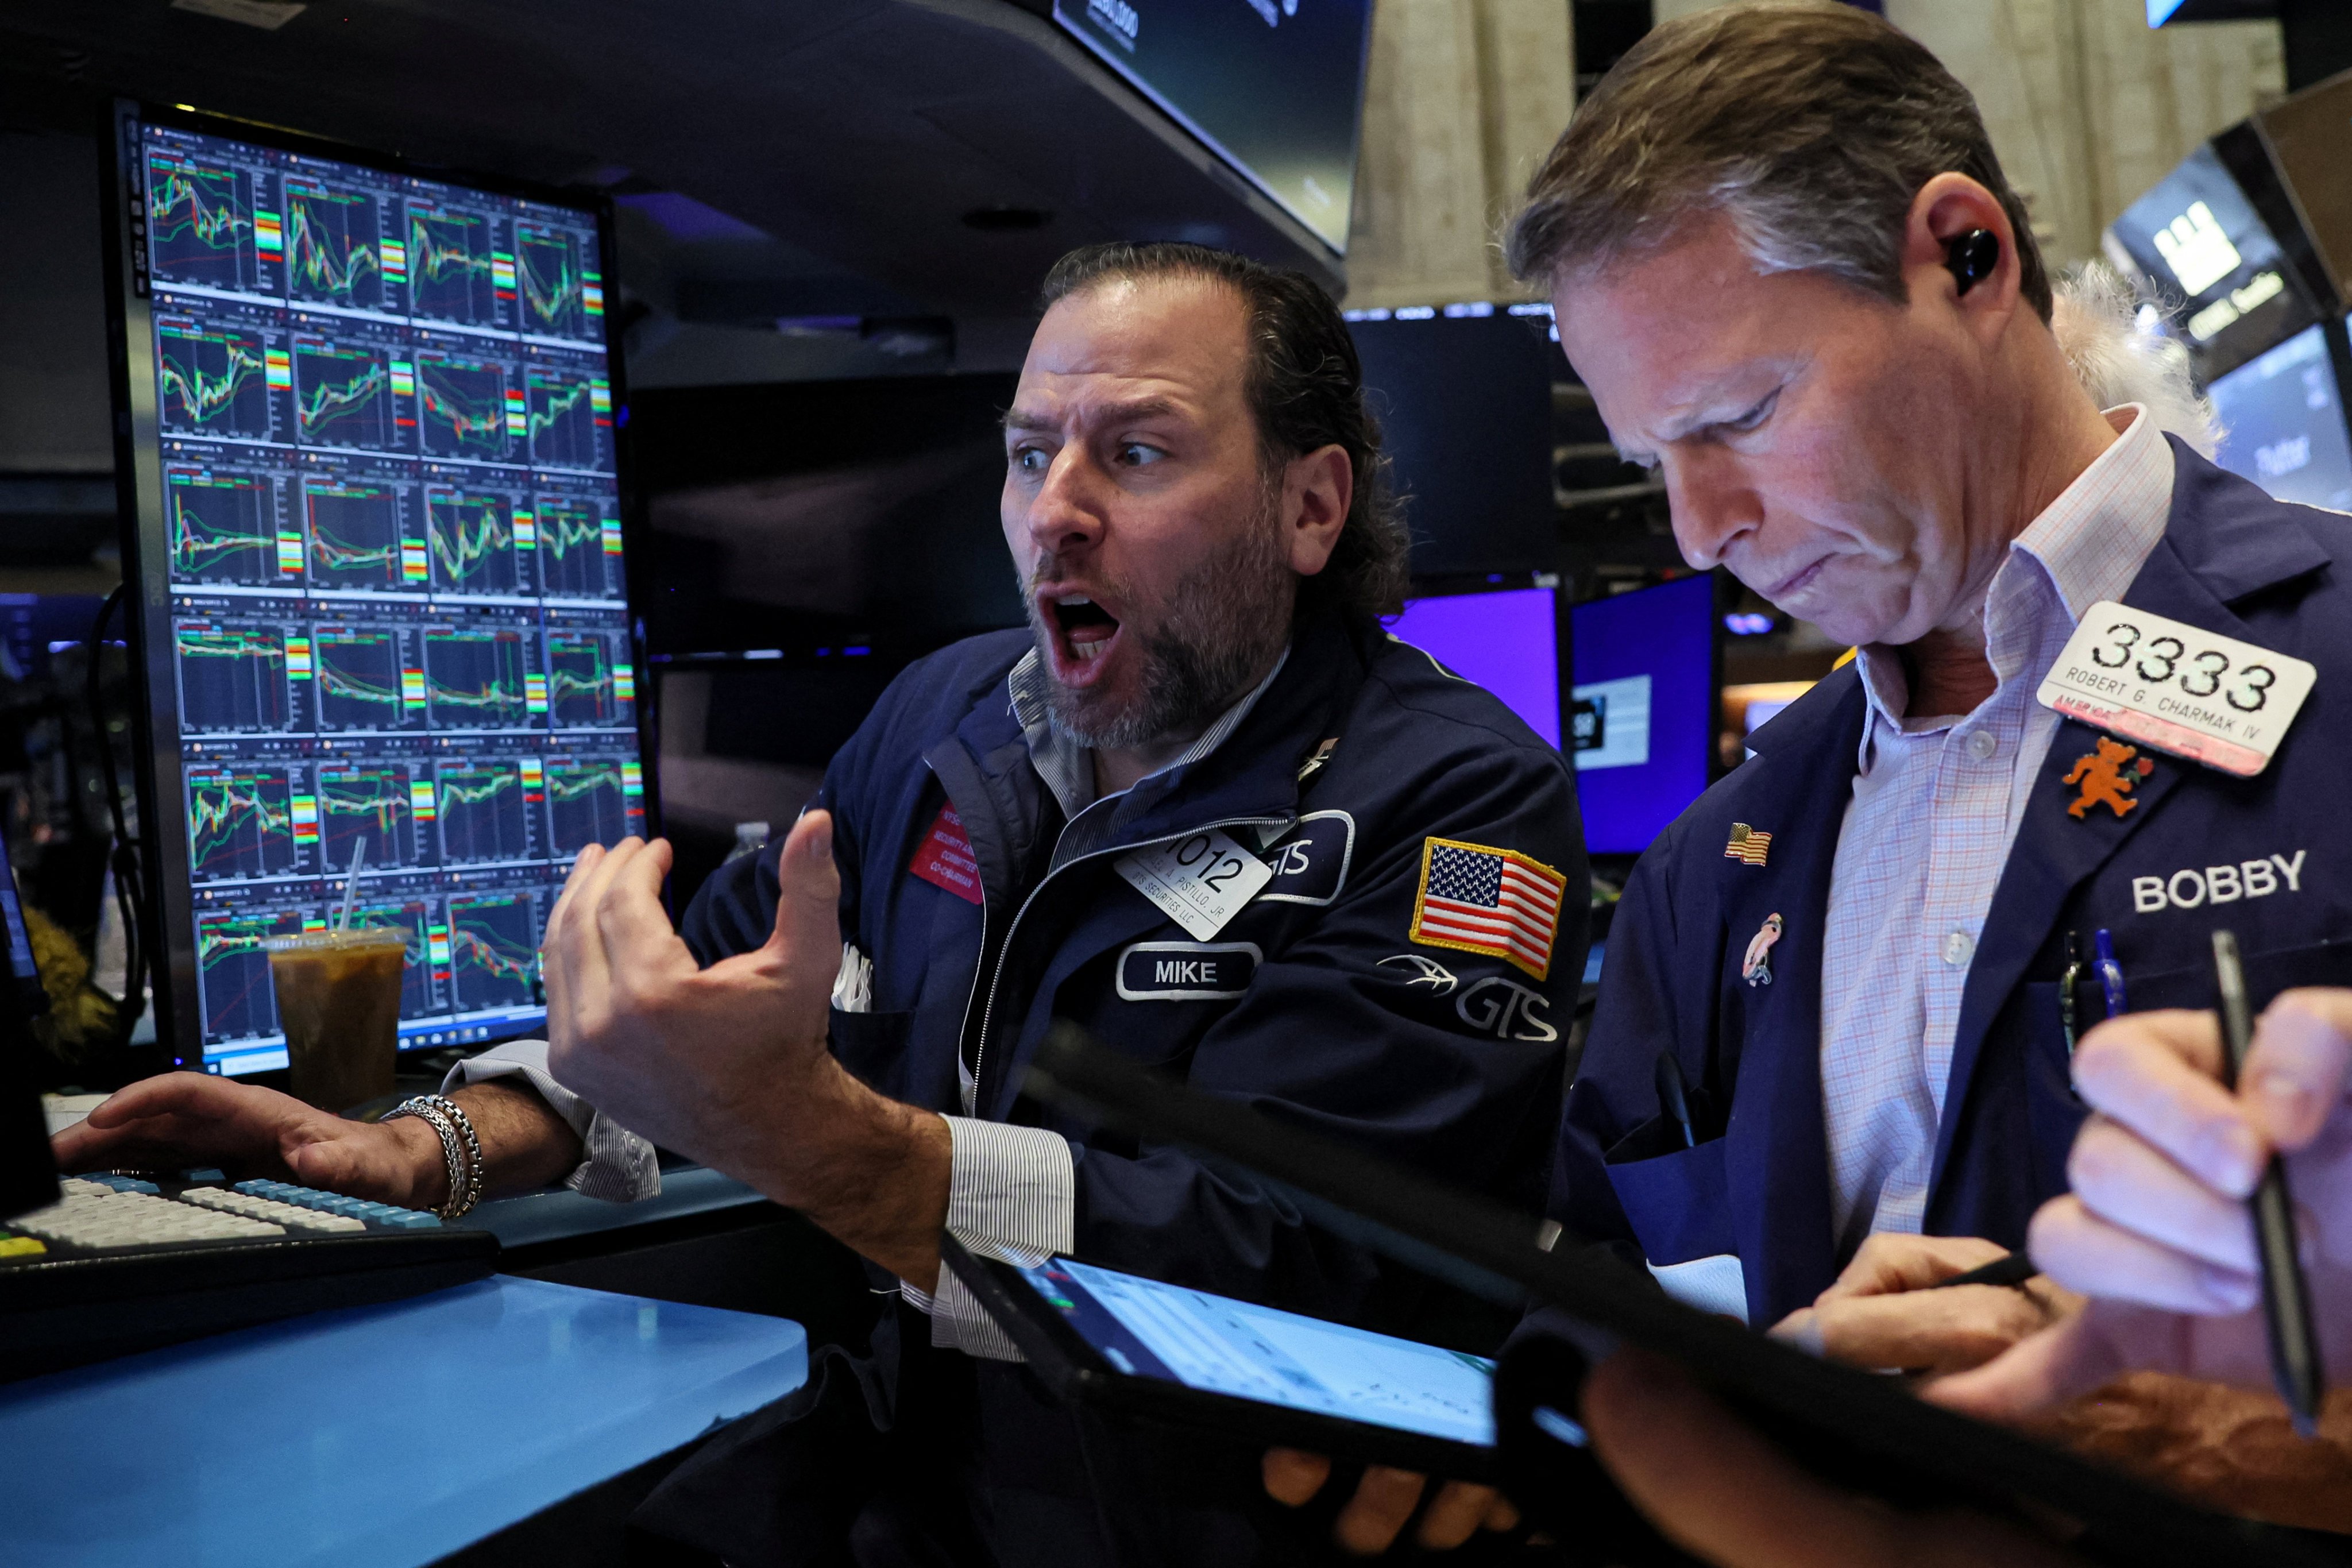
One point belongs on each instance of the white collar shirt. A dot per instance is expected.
(1936, 807)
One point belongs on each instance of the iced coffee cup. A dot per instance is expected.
(339, 1000)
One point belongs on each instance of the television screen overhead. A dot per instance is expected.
(2198, 240)
(1274, 87)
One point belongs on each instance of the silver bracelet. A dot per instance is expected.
(460, 1148)
(455, 1113)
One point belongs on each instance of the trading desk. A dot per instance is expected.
(377, 1438)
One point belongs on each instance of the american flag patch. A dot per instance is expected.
(1494, 901)
(1747, 845)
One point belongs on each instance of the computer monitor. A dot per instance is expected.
(1463, 393)
(1274, 87)
(28, 1176)
(1506, 641)
(798, 515)
(2282, 417)
(1642, 715)
(368, 439)
(35, 627)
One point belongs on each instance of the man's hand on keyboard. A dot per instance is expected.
(183, 1119)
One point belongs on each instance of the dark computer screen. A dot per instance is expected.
(1507, 642)
(1463, 394)
(824, 513)
(2282, 417)
(1642, 715)
(1274, 87)
(28, 1178)
(370, 429)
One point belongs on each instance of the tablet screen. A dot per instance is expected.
(1219, 1345)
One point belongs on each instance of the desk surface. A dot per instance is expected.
(379, 1438)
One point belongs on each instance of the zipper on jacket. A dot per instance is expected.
(1012, 933)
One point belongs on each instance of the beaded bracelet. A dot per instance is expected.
(459, 1148)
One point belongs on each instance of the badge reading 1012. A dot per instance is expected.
(2178, 687)
(1199, 880)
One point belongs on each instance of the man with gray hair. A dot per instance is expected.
(2089, 722)
(1785, 260)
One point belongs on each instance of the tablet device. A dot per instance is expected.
(1860, 1430)
(1257, 1374)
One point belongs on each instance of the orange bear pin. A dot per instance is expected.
(2105, 783)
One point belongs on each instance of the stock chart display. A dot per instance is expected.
(397, 618)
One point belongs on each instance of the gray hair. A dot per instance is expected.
(1810, 126)
(2120, 357)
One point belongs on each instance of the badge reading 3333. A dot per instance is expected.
(2178, 687)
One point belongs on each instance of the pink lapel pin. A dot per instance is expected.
(1757, 967)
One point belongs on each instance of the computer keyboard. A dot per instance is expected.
(125, 1262)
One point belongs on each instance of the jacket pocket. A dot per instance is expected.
(2054, 1114)
(1679, 1204)
(873, 1046)
(2267, 974)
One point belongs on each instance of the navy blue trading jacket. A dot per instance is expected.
(1308, 1004)
(2269, 857)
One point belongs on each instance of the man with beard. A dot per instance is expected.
(1195, 503)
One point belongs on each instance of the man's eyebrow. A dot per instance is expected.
(1725, 397)
(1100, 414)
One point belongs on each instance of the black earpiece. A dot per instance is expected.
(1971, 257)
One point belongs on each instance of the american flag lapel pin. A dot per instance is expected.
(1749, 845)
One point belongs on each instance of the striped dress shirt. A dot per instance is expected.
(1936, 807)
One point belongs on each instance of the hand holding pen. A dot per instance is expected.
(2156, 1230)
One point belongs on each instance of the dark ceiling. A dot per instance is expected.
(880, 157)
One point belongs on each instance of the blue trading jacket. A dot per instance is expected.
(1306, 1004)
(1313, 1004)
(2267, 856)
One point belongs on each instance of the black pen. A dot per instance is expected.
(2010, 1268)
(2068, 1019)
(2286, 1301)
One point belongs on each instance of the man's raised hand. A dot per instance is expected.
(682, 1054)
(729, 1064)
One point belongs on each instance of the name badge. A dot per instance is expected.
(2178, 687)
(1187, 970)
(1200, 881)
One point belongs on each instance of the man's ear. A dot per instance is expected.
(1948, 208)
(1317, 488)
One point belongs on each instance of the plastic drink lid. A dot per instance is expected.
(331, 941)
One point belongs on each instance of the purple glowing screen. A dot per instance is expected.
(1507, 642)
